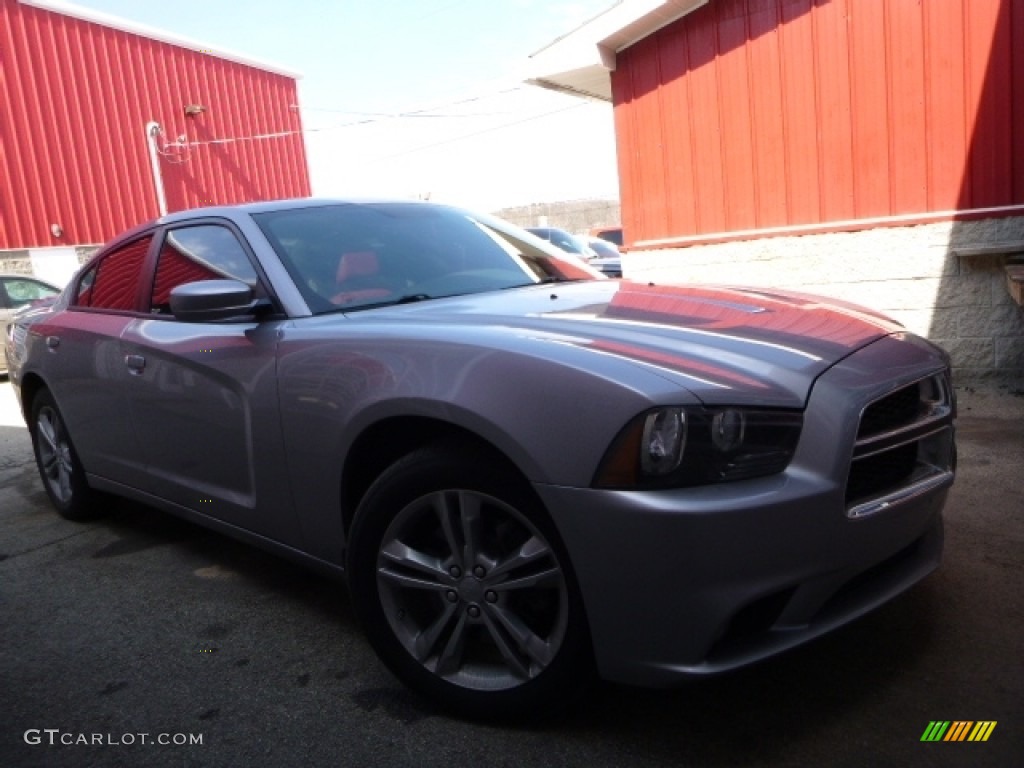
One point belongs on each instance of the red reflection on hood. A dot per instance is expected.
(707, 372)
(721, 309)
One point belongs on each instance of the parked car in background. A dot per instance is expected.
(611, 234)
(602, 248)
(526, 472)
(608, 263)
(607, 257)
(563, 240)
(18, 292)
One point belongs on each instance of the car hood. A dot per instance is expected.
(725, 345)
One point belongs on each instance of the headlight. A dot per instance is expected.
(727, 429)
(678, 447)
(663, 441)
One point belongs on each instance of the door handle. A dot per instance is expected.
(135, 363)
(52, 342)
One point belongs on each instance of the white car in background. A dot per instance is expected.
(18, 292)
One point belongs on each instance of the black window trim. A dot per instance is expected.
(97, 261)
(262, 289)
(147, 273)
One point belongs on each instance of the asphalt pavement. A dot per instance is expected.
(141, 640)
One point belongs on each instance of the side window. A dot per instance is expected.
(22, 292)
(84, 294)
(192, 254)
(114, 281)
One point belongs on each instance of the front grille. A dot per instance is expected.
(904, 441)
(877, 473)
(900, 408)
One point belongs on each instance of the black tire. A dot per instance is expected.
(464, 588)
(59, 467)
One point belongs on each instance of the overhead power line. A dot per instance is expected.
(431, 111)
(369, 120)
(477, 133)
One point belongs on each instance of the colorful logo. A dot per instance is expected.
(958, 730)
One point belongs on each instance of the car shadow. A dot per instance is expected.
(140, 527)
(714, 721)
(762, 709)
(805, 697)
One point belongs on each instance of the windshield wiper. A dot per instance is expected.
(411, 298)
(547, 281)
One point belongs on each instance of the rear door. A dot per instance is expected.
(203, 396)
(83, 365)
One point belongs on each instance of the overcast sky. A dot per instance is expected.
(482, 138)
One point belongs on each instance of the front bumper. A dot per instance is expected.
(695, 581)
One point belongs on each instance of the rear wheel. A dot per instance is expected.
(464, 589)
(59, 468)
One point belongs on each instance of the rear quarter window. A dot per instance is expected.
(113, 282)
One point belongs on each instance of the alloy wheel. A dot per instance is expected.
(472, 590)
(55, 457)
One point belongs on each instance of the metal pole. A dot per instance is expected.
(152, 131)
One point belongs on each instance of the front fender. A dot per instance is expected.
(549, 412)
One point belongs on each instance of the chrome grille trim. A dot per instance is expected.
(898, 438)
(904, 447)
(940, 478)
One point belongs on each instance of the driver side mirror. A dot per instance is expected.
(209, 300)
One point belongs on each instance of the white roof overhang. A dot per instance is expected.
(580, 62)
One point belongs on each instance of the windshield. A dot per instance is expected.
(358, 256)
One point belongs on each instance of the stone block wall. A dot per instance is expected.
(19, 262)
(15, 263)
(578, 216)
(946, 281)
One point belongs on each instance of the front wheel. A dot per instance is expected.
(464, 588)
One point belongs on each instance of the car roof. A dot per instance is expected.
(233, 212)
(264, 206)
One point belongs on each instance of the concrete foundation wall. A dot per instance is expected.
(15, 263)
(21, 262)
(946, 281)
(577, 216)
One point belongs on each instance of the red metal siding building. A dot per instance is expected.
(743, 116)
(81, 159)
(868, 149)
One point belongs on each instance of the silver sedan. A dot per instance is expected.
(526, 473)
(17, 294)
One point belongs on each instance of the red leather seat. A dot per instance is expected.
(357, 278)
